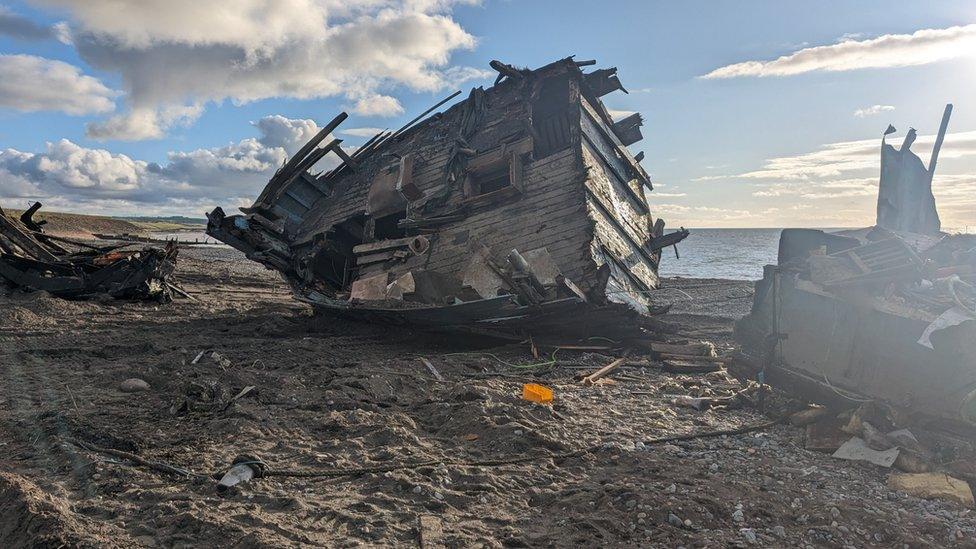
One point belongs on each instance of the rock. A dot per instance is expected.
(834, 512)
(749, 534)
(779, 531)
(738, 516)
(674, 520)
(932, 486)
(671, 488)
(133, 385)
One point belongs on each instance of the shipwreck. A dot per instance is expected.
(883, 313)
(33, 260)
(519, 210)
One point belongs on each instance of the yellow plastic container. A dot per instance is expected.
(534, 392)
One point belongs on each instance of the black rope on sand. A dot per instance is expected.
(342, 472)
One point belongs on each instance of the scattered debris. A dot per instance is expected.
(33, 260)
(437, 375)
(605, 371)
(220, 360)
(243, 469)
(877, 313)
(133, 385)
(533, 392)
(856, 449)
(933, 486)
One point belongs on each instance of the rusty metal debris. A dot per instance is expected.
(876, 313)
(517, 211)
(33, 260)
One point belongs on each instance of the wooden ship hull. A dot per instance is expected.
(518, 210)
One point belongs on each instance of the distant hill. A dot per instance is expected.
(178, 219)
(170, 223)
(84, 226)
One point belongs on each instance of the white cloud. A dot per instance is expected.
(288, 133)
(873, 110)
(30, 83)
(178, 53)
(890, 50)
(143, 123)
(360, 132)
(842, 180)
(837, 159)
(68, 175)
(378, 105)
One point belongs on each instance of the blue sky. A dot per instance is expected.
(176, 106)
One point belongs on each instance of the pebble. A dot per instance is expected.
(713, 467)
(133, 385)
(738, 516)
(779, 531)
(674, 520)
(672, 488)
(834, 512)
(417, 489)
(749, 534)
(438, 495)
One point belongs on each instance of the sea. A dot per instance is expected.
(736, 254)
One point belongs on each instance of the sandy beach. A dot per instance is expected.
(364, 447)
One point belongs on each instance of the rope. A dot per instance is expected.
(355, 471)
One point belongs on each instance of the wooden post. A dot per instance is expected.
(938, 140)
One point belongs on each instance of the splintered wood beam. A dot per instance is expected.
(505, 69)
(406, 126)
(938, 140)
(25, 242)
(296, 160)
(663, 241)
(309, 161)
(346, 158)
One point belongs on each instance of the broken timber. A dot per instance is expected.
(514, 212)
(33, 260)
(882, 313)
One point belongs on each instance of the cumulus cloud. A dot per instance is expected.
(30, 83)
(178, 53)
(873, 110)
(287, 133)
(890, 50)
(378, 105)
(143, 123)
(69, 175)
(360, 132)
